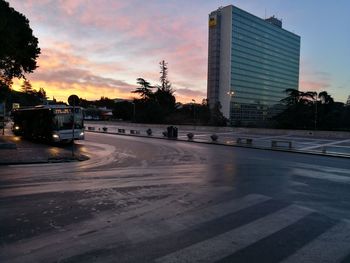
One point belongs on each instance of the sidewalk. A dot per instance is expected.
(279, 142)
(15, 150)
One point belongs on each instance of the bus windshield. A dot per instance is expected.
(64, 118)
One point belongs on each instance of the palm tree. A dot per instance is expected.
(325, 97)
(293, 98)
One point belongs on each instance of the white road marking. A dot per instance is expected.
(325, 144)
(323, 175)
(230, 242)
(331, 246)
(196, 217)
(46, 246)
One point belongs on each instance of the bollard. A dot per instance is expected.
(190, 136)
(149, 132)
(175, 132)
(214, 137)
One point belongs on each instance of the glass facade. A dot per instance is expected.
(264, 63)
(214, 57)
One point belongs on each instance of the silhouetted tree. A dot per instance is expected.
(325, 98)
(216, 116)
(104, 102)
(148, 111)
(165, 84)
(165, 94)
(18, 47)
(123, 110)
(329, 115)
(26, 87)
(144, 90)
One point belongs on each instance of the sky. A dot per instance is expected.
(95, 48)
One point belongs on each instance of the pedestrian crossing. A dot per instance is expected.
(232, 241)
(258, 229)
(250, 228)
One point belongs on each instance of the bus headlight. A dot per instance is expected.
(55, 137)
(16, 127)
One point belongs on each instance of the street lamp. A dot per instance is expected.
(231, 93)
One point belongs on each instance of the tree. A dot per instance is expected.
(325, 98)
(123, 110)
(27, 87)
(19, 48)
(299, 97)
(165, 83)
(165, 94)
(145, 89)
(347, 104)
(216, 116)
(41, 94)
(293, 97)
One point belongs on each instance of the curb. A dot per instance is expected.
(8, 145)
(231, 145)
(49, 160)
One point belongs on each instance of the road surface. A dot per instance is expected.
(150, 200)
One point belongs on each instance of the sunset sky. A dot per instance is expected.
(96, 48)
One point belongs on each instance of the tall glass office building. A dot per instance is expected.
(251, 62)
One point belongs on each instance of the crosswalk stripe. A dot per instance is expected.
(229, 242)
(343, 179)
(221, 209)
(181, 222)
(331, 246)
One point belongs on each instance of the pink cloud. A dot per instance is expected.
(122, 39)
(310, 85)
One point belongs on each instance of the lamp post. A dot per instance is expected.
(231, 93)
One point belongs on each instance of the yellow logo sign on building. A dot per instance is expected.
(212, 22)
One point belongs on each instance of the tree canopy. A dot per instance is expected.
(309, 110)
(19, 47)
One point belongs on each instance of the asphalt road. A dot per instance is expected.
(150, 200)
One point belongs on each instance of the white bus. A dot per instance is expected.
(52, 123)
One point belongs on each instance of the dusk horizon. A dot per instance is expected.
(96, 51)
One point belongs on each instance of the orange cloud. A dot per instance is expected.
(62, 90)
